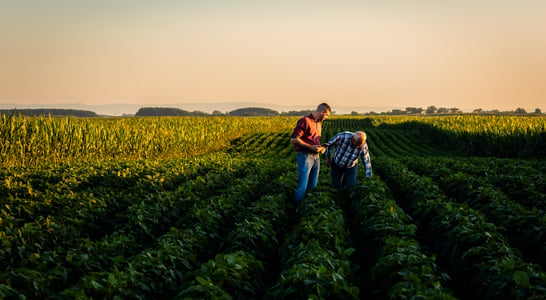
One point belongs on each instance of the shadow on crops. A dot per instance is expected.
(507, 145)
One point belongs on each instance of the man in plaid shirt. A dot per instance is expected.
(348, 148)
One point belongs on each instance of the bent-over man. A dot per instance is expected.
(349, 147)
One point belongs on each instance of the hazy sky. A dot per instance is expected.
(465, 54)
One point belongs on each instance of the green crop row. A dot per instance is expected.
(501, 136)
(248, 255)
(481, 263)
(523, 227)
(387, 239)
(315, 257)
(59, 251)
(521, 180)
(156, 273)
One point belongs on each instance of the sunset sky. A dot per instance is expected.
(466, 54)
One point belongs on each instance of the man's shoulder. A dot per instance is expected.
(304, 117)
(307, 119)
(345, 134)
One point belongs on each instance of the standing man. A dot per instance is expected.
(348, 148)
(306, 140)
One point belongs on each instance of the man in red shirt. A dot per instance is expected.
(306, 140)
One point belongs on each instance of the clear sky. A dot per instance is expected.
(466, 54)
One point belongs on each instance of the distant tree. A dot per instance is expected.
(398, 112)
(443, 110)
(477, 111)
(455, 110)
(520, 111)
(431, 110)
(297, 113)
(254, 111)
(217, 113)
(538, 111)
(354, 113)
(414, 110)
(199, 113)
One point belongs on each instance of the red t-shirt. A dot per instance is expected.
(308, 130)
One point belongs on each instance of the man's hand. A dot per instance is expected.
(317, 149)
(328, 161)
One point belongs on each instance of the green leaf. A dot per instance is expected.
(117, 259)
(522, 278)
(202, 280)
(309, 282)
(349, 251)
(111, 279)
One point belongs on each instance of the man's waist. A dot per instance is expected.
(348, 165)
(299, 148)
(307, 152)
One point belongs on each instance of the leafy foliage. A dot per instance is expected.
(154, 208)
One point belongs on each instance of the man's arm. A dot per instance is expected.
(328, 161)
(333, 141)
(365, 155)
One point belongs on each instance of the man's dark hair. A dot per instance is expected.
(324, 106)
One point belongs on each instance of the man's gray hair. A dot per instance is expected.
(360, 135)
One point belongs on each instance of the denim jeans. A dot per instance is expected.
(342, 174)
(308, 171)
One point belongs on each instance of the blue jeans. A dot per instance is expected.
(343, 174)
(308, 171)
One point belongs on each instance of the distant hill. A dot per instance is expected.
(253, 111)
(48, 112)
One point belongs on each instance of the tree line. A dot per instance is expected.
(433, 110)
(240, 112)
(258, 111)
(48, 112)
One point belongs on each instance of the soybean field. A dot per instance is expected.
(201, 208)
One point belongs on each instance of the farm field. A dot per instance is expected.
(200, 207)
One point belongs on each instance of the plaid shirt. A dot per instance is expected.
(346, 155)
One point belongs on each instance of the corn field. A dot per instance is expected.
(27, 141)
